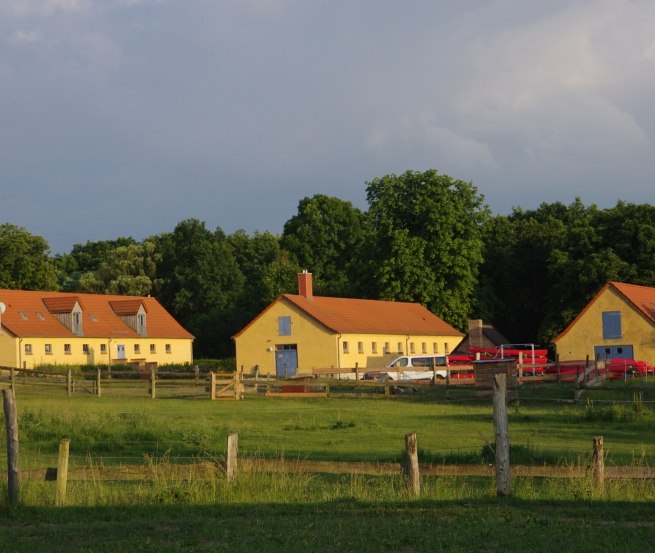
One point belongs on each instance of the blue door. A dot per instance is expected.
(286, 361)
(120, 351)
(613, 352)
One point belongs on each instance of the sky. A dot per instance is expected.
(125, 117)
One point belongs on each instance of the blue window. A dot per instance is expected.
(284, 326)
(611, 325)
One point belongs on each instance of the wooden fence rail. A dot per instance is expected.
(411, 467)
(321, 382)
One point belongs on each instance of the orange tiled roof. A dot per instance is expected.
(61, 304)
(126, 307)
(347, 315)
(28, 315)
(642, 299)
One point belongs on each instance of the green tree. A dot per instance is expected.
(543, 266)
(323, 238)
(629, 230)
(120, 266)
(24, 260)
(201, 283)
(78, 270)
(267, 269)
(515, 277)
(578, 266)
(425, 241)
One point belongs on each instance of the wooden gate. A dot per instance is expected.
(225, 386)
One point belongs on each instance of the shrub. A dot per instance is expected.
(228, 364)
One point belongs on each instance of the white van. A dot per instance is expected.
(424, 367)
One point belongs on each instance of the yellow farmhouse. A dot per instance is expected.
(48, 328)
(619, 322)
(298, 333)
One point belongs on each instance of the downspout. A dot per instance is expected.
(20, 353)
(407, 345)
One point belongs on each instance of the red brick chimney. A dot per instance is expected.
(305, 284)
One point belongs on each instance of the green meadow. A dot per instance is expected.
(289, 511)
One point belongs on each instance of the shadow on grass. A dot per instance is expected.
(492, 524)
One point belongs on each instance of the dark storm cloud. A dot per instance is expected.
(124, 117)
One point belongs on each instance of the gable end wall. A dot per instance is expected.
(587, 331)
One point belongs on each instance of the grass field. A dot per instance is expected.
(314, 512)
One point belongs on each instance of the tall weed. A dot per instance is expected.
(616, 412)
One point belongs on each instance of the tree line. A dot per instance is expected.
(425, 237)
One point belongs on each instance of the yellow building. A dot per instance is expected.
(56, 328)
(619, 322)
(298, 333)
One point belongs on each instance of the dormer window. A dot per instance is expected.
(141, 322)
(68, 311)
(133, 314)
(76, 322)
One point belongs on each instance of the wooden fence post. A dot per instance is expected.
(99, 383)
(69, 383)
(238, 393)
(231, 457)
(212, 384)
(12, 386)
(13, 468)
(62, 471)
(599, 465)
(501, 432)
(153, 380)
(411, 465)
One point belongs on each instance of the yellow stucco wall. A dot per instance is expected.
(587, 331)
(370, 350)
(33, 352)
(320, 348)
(317, 347)
(8, 349)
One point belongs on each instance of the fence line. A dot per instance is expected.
(212, 466)
(411, 467)
(346, 382)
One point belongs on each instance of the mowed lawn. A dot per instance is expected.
(120, 429)
(290, 512)
(490, 525)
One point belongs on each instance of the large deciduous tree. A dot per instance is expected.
(24, 260)
(120, 266)
(543, 266)
(323, 238)
(200, 283)
(425, 241)
(266, 267)
(79, 269)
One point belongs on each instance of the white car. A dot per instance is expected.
(424, 368)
